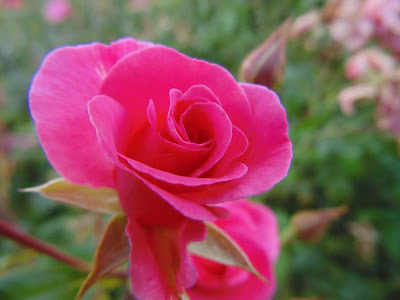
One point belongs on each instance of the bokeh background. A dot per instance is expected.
(338, 159)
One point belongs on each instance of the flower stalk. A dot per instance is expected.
(26, 240)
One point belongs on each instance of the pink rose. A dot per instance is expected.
(173, 135)
(254, 227)
(56, 11)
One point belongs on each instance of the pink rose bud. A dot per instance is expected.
(311, 225)
(368, 60)
(350, 95)
(56, 11)
(255, 228)
(266, 64)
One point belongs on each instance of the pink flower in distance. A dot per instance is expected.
(385, 15)
(13, 4)
(175, 136)
(369, 60)
(56, 11)
(254, 227)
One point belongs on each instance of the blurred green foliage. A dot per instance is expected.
(337, 159)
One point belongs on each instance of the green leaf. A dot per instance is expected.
(102, 200)
(219, 247)
(112, 251)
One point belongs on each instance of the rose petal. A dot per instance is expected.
(236, 171)
(208, 121)
(160, 266)
(172, 130)
(179, 103)
(141, 203)
(237, 148)
(189, 209)
(270, 149)
(112, 124)
(68, 78)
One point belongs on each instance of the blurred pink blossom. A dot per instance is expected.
(350, 95)
(388, 108)
(56, 11)
(385, 15)
(367, 60)
(351, 33)
(13, 4)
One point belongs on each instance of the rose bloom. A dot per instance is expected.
(255, 228)
(56, 11)
(173, 135)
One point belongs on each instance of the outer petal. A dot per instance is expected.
(160, 267)
(68, 78)
(270, 149)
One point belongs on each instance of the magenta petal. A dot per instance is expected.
(67, 79)
(237, 148)
(160, 266)
(270, 150)
(112, 125)
(200, 92)
(205, 122)
(190, 209)
(235, 172)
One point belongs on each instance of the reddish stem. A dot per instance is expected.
(38, 245)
